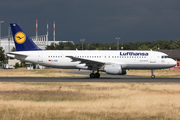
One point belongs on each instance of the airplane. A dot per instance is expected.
(114, 62)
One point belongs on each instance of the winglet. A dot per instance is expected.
(22, 41)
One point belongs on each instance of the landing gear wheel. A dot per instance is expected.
(97, 75)
(153, 76)
(92, 75)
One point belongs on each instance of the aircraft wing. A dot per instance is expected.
(87, 61)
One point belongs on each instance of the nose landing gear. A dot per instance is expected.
(152, 74)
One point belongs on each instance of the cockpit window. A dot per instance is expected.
(164, 56)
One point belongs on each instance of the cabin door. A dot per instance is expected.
(153, 58)
(40, 57)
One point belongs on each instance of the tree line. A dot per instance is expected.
(153, 45)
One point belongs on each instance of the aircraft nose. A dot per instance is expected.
(173, 62)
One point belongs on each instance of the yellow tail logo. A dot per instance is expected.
(20, 37)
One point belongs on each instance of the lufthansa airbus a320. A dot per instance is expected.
(114, 62)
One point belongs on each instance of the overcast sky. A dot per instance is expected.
(95, 20)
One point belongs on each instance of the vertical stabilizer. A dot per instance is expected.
(22, 41)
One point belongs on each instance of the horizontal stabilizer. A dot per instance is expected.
(16, 53)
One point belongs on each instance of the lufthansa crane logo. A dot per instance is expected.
(20, 37)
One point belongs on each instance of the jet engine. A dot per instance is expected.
(114, 69)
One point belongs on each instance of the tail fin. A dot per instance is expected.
(22, 41)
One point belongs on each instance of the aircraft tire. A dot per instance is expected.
(97, 75)
(153, 76)
(92, 75)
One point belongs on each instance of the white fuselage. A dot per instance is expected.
(127, 59)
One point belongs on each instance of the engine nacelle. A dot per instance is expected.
(114, 69)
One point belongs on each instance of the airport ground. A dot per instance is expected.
(86, 100)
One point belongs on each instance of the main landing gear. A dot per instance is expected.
(152, 74)
(95, 75)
